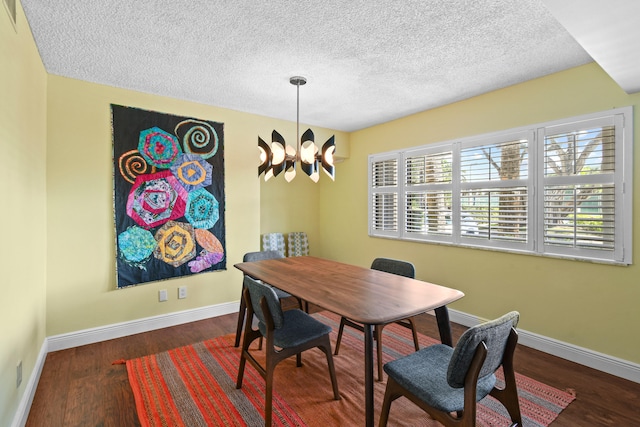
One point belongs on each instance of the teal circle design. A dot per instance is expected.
(202, 209)
(159, 148)
(136, 244)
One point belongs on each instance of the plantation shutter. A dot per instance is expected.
(495, 191)
(580, 196)
(561, 189)
(428, 191)
(383, 196)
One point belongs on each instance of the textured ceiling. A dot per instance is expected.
(366, 61)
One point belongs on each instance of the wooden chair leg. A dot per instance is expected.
(391, 393)
(241, 316)
(249, 336)
(340, 330)
(268, 398)
(508, 396)
(243, 362)
(246, 342)
(509, 399)
(414, 330)
(326, 348)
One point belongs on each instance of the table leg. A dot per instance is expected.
(444, 326)
(368, 374)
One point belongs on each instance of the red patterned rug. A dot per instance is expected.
(195, 386)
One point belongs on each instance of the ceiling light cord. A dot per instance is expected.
(297, 119)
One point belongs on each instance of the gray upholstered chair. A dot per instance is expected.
(274, 242)
(393, 266)
(286, 333)
(258, 256)
(447, 383)
(298, 243)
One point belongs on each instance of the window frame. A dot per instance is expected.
(534, 184)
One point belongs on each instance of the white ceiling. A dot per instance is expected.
(366, 61)
(609, 31)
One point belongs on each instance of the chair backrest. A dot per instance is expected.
(257, 290)
(394, 266)
(273, 242)
(494, 334)
(298, 243)
(259, 256)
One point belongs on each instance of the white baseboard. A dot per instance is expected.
(118, 330)
(22, 413)
(602, 362)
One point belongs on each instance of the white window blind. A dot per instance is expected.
(495, 214)
(428, 185)
(561, 188)
(582, 199)
(384, 197)
(494, 197)
(578, 216)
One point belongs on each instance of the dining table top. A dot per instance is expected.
(362, 294)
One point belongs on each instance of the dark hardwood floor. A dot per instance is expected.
(81, 387)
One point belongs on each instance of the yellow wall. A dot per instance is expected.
(589, 305)
(23, 215)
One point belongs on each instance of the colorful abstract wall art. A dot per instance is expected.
(169, 200)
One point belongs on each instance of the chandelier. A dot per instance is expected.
(279, 156)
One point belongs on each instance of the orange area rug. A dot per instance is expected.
(195, 386)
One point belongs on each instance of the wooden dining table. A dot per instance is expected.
(363, 295)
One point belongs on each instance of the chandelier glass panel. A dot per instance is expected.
(279, 157)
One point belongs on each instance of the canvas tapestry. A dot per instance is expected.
(169, 200)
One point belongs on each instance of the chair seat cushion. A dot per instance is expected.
(424, 374)
(298, 328)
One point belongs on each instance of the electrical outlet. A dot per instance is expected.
(162, 295)
(19, 374)
(182, 292)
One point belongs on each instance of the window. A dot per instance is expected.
(428, 184)
(559, 189)
(495, 191)
(580, 187)
(384, 196)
